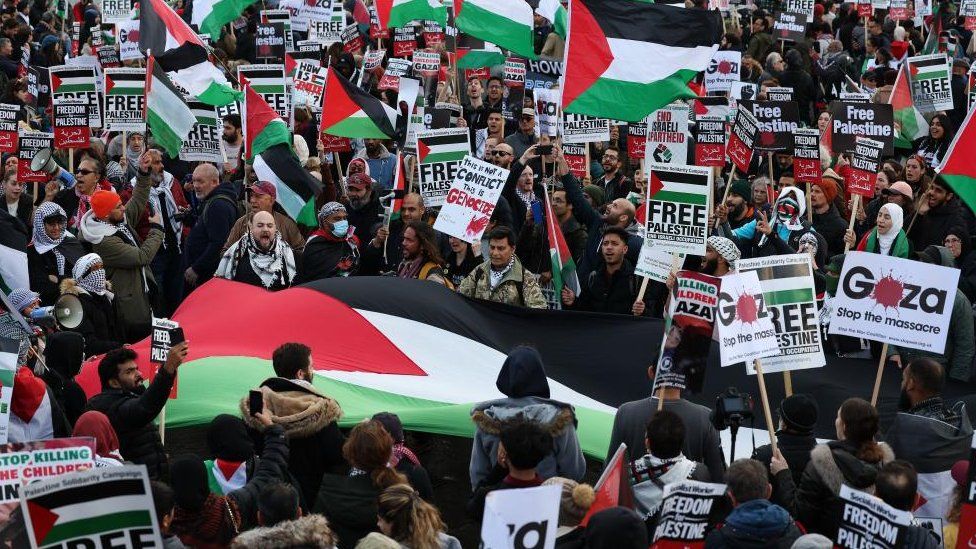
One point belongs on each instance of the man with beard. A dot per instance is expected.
(421, 258)
(720, 256)
(737, 207)
(525, 136)
(613, 288)
(364, 208)
(384, 252)
(261, 198)
(496, 93)
(333, 249)
(260, 258)
(232, 141)
(494, 130)
(131, 407)
(614, 183)
(929, 434)
(938, 212)
(381, 163)
(217, 209)
(107, 226)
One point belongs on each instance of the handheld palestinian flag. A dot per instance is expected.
(263, 127)
(179, 50)
(909, 123)
(211, 15)
(397, 13)
(508, 23)
(613, 487)
(563, 266)
(554, 11)
(609, 52)
(168, 116)
(474, 53)
(958, 167)
(931, 45)
(296, 188)
(348, 111)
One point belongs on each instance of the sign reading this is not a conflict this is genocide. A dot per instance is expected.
(471, 200)
(789, 296)
(893, 300)
(678, 202)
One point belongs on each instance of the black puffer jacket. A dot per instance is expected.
(616, 295)
(63, 355)
(274, 460)
(98, 325)
(131, 415)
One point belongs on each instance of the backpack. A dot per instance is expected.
(433, 268)
(238, 206)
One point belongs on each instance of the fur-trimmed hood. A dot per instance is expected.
(300, 409)
(307, 531)
(552, 415)
(836, 465)
(68, 286)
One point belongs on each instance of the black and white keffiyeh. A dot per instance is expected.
(275, 266)
(44, 243)
(92, 282)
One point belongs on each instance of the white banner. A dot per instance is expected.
(745, 328)
(527, 517)
(723, 70)
(547, 112)
(471, 200)
(667, 135)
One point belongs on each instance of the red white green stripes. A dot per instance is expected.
(397, 13)
(958, 167)
(563, 266)
(169, 118)
(507, 23)
(909, 123)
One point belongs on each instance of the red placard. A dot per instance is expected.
(332, 143)
(71, 130)
(30, 143)
(969, 23)
(482, 73)
(865, 9)
(739, 153)
(710, 154)
(806, 170)
(710, 145)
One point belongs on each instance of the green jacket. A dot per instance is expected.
(478, 285)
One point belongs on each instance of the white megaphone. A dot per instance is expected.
(43, 162)
(67, 312)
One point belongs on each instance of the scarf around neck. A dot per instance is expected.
(495, 277)
(650, 474)
(275, 266)
(410, 268)
(44, 243)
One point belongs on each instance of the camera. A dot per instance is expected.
(731, 407)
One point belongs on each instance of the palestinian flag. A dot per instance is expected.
(613, 487)
(263, 127)
(13, 254)
(909, 123)
(211, 15)
(931, 45)
(169, 118)
(554, 11)
(127, 82)
(508, 23)
(958, 167)
(67, 79)
(179, 50)
(296, 188)
(88, 504)
(447, 145)
(474, 53)
(270, 82)
(348, 111)
(397, 13)
(399, 189)
(627, 58)
(563, 266)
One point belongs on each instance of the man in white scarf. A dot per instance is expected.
(260, 257)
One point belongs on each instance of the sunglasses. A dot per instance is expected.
(500, 153)
(83, 171)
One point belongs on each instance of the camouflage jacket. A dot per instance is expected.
(478, 285)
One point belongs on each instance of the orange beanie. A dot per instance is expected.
(102, 202)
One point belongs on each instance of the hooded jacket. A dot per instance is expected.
(307, 531)
(98, 326)
(754, 524)
(523, 380)
(783, 240)
(217, 214)
(63, 354)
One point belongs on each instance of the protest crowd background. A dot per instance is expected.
(523, 273)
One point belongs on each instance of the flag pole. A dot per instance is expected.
(788, 382)
(728, 187)
(162, 424)
(765, 403)
(850, 225)
(877, 379)
(676, 261)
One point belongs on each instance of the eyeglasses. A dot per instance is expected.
(500, 153)
(82, 171)
(951, 240)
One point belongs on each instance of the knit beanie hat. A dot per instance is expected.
(812, 541)
(102, 202)
(742, 188)
(227, 438)
(575, 501)
(595, 193)
(799, 413)
(616, 528)
(829, 188)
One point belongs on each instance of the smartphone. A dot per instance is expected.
(176, 336)
(544, 149)
(255, 401)
(537, 212)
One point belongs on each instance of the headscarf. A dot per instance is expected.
(131, 154)
(330, 208)
(96, 424)
(897, 222)
(725, 248)
(789, 209)
(275, 266)
(44, 243)
(21, 298)
(201, 518)
(93, 282)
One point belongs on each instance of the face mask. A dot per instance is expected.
(340, 228)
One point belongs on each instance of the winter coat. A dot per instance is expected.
(796, 450)
(274, 456)
(755, 524)
(349, 502)
(966, 264)
(523, 379)
(616, 295)
(618, 186)
(25, 211)
(307, 531)
(518, 287)
(931, 229)
(63, 354)
(818, 501)
(132, 415)
(831, 226)
(217, 213)
(366, 220)
(326, 256)
(309, 419)
(381, 168)
(42, 266)
(98, 326)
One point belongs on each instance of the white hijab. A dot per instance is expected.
(886, 240)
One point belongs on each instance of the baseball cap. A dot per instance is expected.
(265, 187)
(899, 187)
(526, 111)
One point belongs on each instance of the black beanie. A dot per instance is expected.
(615, 528)
(799, 413)
(391, 422)
(188, 478)
(227, 438)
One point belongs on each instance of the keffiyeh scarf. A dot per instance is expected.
(44, 243)
(274, 266)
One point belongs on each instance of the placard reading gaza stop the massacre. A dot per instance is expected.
(745, 327)
(893, 300)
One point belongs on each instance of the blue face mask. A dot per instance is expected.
(340, 228)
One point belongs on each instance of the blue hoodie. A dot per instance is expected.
(755, 523)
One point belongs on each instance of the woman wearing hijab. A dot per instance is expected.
(887, 238)
(52, 253)
(96, 424)
(64, 353)
(98, 325)
(933, 146)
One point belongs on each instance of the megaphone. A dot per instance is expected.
(43, 162)
(68, 311)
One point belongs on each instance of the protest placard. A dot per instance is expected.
(440, 154)
(575, 155)
(107, 507)
(688, 331)
(471, 200)
(117, 11)
(789, 26)
(637, 139)
(77, 82)
(307, 50)
(308, 84)
(321, 10)
(742, 139)
(29, 143)
(865, 165)
(685, 507)
(128, 33)
(789, 296)
(269, 82)
(893, 300)
(777, 120)
(547, 112)
(723, 70)
(745, 326)
(929, 76)
(71, 129)
(75, 38)
(444, 115)
(581, 128)
(744, 90)
(33, 85)
(404, 41)
(26, 462)
(528, 517)
(203, 142)
(800, 6)
(779, 93)
(864, 8)
(653, 263)
(433, 34)
(850, 120)
(325, 32)
(866, 521)
(806, 155)
(352, 39)
(269, 41)
(667, 135)
(899, 10)
(710, 141)
(426, 63)
(8, 127)
(854, 97)
(678, 201)
(542, 73)
(395, 68)
(125, 100)
(373, 59)
(108, 57)
(282, 16)
(514, 72)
